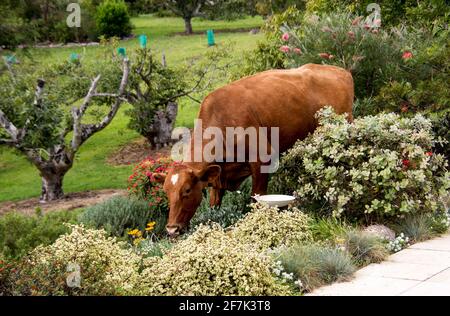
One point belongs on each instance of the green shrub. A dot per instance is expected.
(267, 54)
(372, 55)
(423, 78)
(19, 233)
(234, 206)
(365, 248)
(267, 227)
(105, 266)
(316, 265)
(210, 262)
(112, 19)
(441, 129)
(377, 168)
(119, 214)
(393, 12)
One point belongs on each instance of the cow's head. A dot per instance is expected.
(183, 186)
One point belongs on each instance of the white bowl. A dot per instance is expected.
(278, 200)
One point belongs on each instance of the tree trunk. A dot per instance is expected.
(188, 26)
(52, 185)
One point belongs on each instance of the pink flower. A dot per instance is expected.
(407, 55)
(375, 31)
(351, 34)
(325, 55)
(429, 153)
(298, 51)
(285, 49)
(285, 37)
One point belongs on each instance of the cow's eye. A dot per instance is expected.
(188, 191)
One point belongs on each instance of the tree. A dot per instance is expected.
(42, 126)
(154, 90)
(187, 9)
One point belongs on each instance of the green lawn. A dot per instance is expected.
(20, 180)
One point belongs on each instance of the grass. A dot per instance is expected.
(20, 180)
(316, 265)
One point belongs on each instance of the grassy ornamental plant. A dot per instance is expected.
(377, 168)
(120, 213)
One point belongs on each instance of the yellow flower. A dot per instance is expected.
(138, 240)
(150, 226)
(135, 232)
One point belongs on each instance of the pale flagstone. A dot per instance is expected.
(419, 256)
(367, 286)
(442, 277)
(423, 269)
(401, 270)
(429, 289)
(441, 244)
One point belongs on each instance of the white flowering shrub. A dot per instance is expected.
(399, 243)
(267, 227)
(84, 262)
(378, 167)
(210, 262)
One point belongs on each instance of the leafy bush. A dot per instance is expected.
(372, 55)
(112, 19)
(365, 248)
(119, 214)
(267, 54)
(142, 185)
(19, 233)
(316, 265)
(441, 129)
(422, 80)
(267, 227)
(379, 167)
(234, 206)
(210, 262)
(106, 268)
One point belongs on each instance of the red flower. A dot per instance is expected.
(407, 55)
(405, 162)
(325, 55)
(429, 153)
(285, 37)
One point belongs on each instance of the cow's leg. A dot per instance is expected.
(215, 196)
(259, 180)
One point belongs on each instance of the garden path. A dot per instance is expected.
(422, 269)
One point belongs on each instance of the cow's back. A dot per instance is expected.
(287, 99)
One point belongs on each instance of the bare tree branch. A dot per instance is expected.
(81, 132)
(9, 127)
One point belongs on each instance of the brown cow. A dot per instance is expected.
(287, 99)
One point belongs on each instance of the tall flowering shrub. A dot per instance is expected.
(373, 55)
(142, 184)
(377, 168)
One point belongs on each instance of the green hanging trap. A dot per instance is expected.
(210, 36)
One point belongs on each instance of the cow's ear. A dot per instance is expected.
(159, 177)
(210, 174)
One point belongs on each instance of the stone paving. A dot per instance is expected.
(422, 269)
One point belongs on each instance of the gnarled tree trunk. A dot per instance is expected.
(52, 186)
